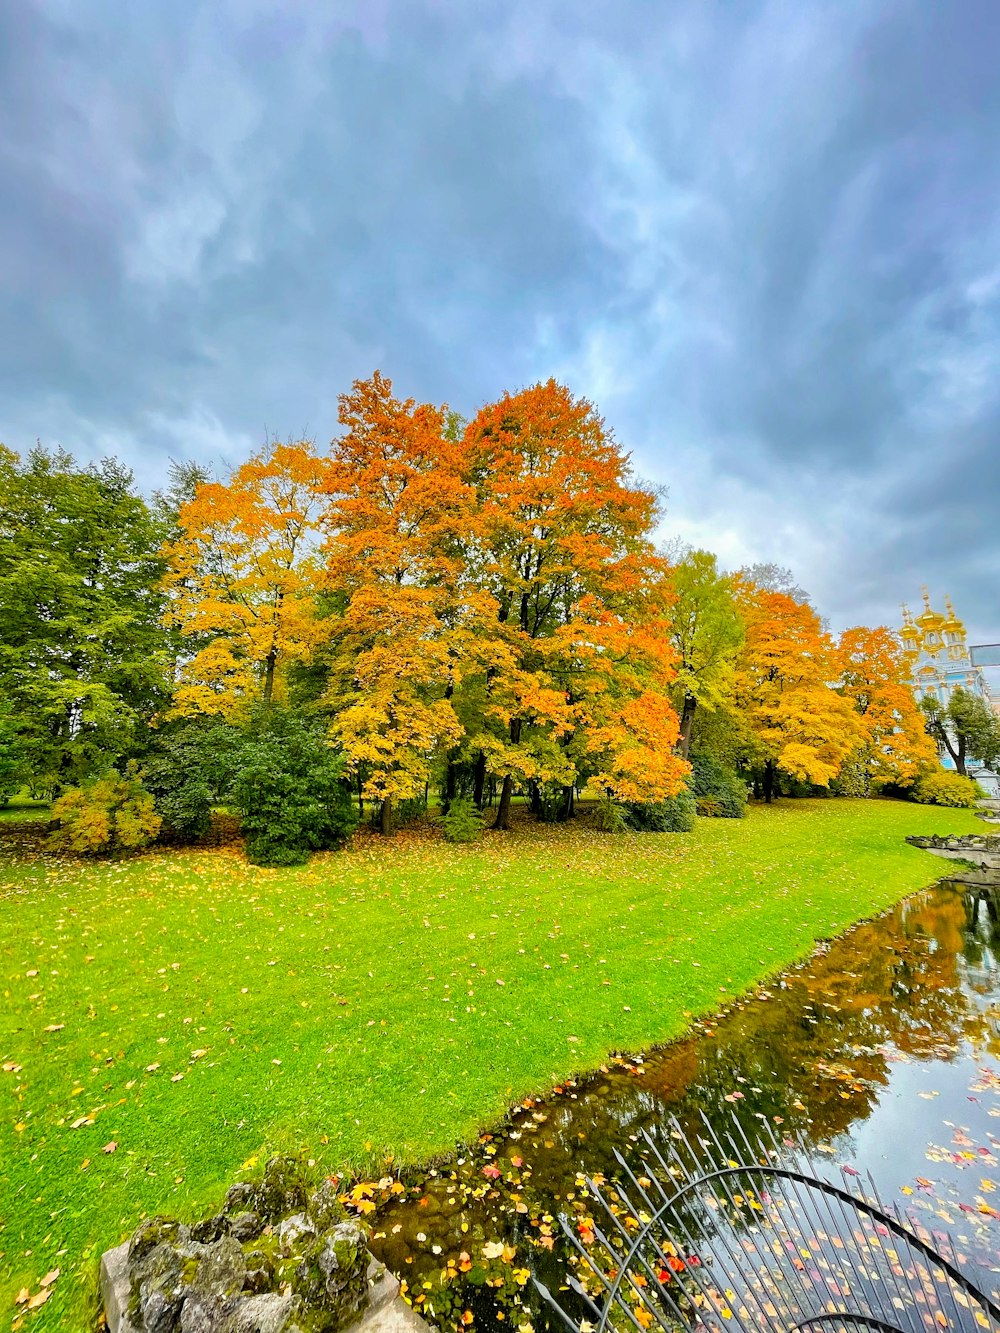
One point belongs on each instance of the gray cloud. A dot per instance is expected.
(764, 238)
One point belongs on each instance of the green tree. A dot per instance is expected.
(84, 659)
(967, 728)
(706, 632)
(12, 757)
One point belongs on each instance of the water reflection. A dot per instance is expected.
(881, 1049)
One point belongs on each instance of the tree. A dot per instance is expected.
(12, 755)
(894, 744)
(563, 550)
(706, 632)
(769, 577)
(241, 573)
(785, 683)
(83, 655)
(966, 729)
(396, 516)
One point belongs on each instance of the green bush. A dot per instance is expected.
(675, 815)
(290, 792)
(108, 814)
(463, 822)
(612, 816)
(187, 773)
(718, 792)
(945, 788)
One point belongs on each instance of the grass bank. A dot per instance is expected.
(168, 1018)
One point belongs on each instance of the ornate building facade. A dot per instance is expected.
(936, 650)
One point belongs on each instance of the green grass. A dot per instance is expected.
(386, 1000)
(24, 806)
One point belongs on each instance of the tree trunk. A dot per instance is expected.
(567, 807)
(535, 800)
(769, 776)
(687, 722)
(385, 818)
(502, 820)
(450, 784)
(479, 781)
(960, 757)
(269, 662)
(361, 799)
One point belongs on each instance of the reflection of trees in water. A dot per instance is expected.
(821, 1039)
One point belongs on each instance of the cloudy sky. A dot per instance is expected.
(763, 237)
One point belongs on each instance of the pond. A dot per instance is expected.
(881, 1050)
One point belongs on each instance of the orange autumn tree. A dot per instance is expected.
(894, 743)
(562, 546)
(240, 579)
(785, 691)
(397, 511)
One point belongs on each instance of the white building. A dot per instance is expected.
(940, 661)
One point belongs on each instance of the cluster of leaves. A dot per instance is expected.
(110, 813)
(944, 788)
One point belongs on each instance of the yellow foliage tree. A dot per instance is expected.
(786, 690)
(397, 509)
(894, 744)
(241, 577)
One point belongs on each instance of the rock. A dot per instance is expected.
(282, 1190)
(262, 1314)
(295, 1233)
(154, 1231)
(333, 1275)
(245, 1226)
(158, 1289)
(260, 1271)
(222, 1269)
(160, 1312)
(239, 1198)
(325, 1208)
(199, 1314)
(210, 1229)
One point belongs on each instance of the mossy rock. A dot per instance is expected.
(283, 1189)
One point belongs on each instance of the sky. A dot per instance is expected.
(764, 238)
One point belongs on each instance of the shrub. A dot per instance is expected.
(612, 816)
(289, 791)
(108, 814)
(674, 815)
(945, 788)
(463, 822)
(718, 792)
(187, 773)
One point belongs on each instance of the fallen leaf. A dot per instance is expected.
(49, 1278)
(110, 1147)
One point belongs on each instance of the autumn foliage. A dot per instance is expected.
(482, 605)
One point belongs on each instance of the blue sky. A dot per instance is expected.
(763, 237)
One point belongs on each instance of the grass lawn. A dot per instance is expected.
(388, 1000)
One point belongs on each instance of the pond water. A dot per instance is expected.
(882, 1050)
